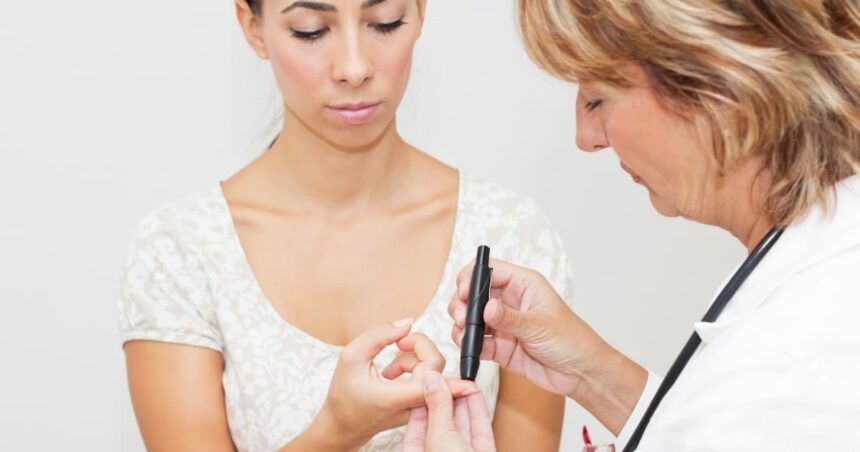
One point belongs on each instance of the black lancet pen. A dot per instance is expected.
(473, 334)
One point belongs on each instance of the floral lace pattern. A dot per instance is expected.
(187, 281)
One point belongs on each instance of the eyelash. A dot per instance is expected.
(383, 28)
(592, 105)
(390, 27)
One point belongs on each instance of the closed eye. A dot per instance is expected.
(592, 105)
(388, 27)
(309, 35)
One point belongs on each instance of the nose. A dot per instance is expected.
(590, 133)
(353, 65)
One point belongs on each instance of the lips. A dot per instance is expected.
(354, 113)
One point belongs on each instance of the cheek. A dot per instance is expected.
(394, 61)
(632, 138)
(641, 134)
(297, 70)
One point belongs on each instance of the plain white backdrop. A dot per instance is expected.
(109, 109)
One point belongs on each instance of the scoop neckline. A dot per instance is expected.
(282, 323)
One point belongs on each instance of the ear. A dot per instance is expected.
(252, 28)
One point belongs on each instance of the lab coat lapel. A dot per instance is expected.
(816, 237)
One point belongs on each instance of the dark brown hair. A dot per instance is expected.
(254, 5)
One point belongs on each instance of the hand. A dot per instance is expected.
(446, 424)
(360, 403)
(532, 331)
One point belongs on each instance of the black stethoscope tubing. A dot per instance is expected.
(713, 313)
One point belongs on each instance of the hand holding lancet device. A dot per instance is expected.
(473, 334)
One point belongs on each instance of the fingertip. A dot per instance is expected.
(462, 388)
(405, 343)
(391, 372)
(403, 322)
(457, 336)
(491, 310)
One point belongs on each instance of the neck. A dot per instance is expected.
(753, 232)
(312, 174)
(744, 192)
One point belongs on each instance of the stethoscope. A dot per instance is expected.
(713, 313)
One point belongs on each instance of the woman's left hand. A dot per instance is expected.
(446, 424)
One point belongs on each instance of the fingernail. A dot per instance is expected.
(403, 322)
(471, 391)
(432, 382)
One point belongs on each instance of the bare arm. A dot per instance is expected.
(179, 401)
(526, 417)
(178, 397)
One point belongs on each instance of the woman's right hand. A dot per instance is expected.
(361, 402)
(532, 332)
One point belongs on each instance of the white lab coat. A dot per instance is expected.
(780, 369)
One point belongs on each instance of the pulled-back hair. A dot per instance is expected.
(776, 78)
(254, 5)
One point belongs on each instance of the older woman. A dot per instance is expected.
(741, 114)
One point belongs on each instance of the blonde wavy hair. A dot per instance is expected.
(776, 78)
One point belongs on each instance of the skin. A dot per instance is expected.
(666, 153)
(331, 197)
(535, 334)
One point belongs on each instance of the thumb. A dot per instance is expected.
(440, 405)
(506, 319)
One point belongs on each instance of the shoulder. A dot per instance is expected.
(188, 215)
(517, 230)
(516, 219)
(178, 233)
(496, 200)
(166, 285)
(189, 221)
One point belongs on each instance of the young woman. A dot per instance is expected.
(253, 312)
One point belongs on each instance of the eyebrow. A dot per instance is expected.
(327, 7)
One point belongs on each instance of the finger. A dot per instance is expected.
(457, 335)
(424, 349)
(440, 405)
(480, 424)
(488, 350)
(503, 272)
(509, 320)
(401, 395)
(416, 430)
(457, 310)
(368, 344)
(403, 363)
(464, 276)
(460, 387)
(461, 418)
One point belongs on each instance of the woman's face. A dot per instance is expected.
(660, 150)
(341, 65)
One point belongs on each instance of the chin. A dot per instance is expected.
(662, 206)
(357, 138)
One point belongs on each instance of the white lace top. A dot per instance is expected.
(186, 281)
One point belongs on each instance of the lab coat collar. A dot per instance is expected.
(816, 237)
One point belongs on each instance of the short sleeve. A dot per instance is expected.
(538, 246)
(164, 294)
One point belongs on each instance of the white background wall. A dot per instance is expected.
(110, 108)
